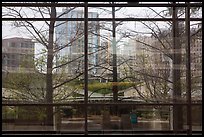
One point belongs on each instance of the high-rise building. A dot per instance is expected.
(138, 55)
(70, 41)
(15, 51)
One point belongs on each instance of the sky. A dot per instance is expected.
(9, 31)
(140, 12)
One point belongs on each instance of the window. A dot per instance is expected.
(13, 44)
(95, 92)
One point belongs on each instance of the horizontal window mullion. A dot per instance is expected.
(92, 104)
(98, 5)
(42, 4)
(98, 19)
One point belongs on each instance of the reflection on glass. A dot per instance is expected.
(43, 62)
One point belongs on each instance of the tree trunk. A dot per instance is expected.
(114, 63)
(49, 88)
(177, 109)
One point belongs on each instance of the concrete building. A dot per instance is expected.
(104, 69)
(17, 53)
(137, 55)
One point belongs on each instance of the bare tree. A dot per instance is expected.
(156, 81)
(44, 36)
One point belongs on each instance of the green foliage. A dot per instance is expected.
(22, 80)
(8, 112)
(106, 88)
(40, 63)
(97, 87)
(27, 61)
(26, 86)
(31, 113)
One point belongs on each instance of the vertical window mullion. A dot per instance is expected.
(86, 65)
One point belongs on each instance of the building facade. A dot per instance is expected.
(16, 53)
(70, 41)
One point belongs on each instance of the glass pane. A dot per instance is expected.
(133, 67)
(128, 118)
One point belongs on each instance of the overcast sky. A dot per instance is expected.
(125, 12)
(9, 31)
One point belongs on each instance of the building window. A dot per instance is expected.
(13, 44)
